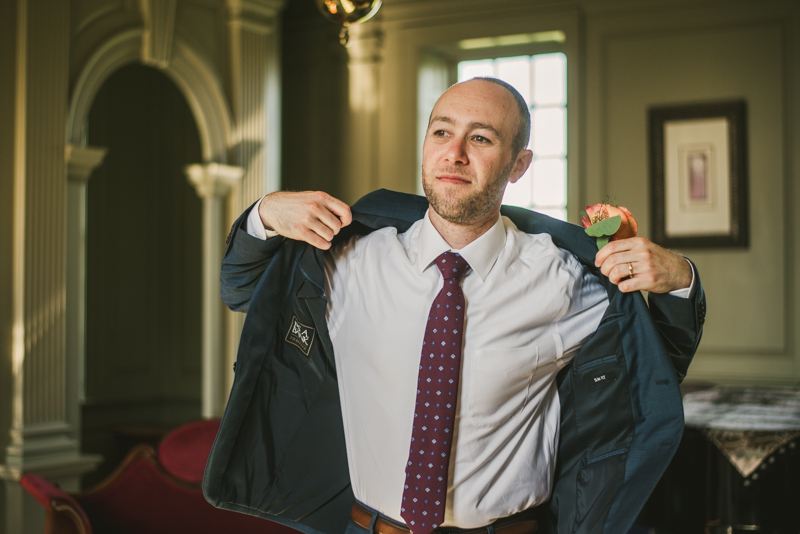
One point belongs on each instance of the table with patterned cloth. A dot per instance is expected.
(757, 434)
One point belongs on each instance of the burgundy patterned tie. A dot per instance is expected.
(435, 411)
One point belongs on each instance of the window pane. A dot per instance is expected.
(549, 132)
(517, 72)
(471, 69)
(519, 194)
(550, 182)
(549, 79)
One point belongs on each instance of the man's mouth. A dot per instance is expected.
(455, 179)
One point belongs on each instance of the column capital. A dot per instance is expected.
(213, 179)
(82, 160)
(366, 42)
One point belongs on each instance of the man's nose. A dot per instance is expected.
(457, 153)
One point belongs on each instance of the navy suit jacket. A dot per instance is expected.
(280, 452)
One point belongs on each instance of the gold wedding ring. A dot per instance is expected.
(630, 270)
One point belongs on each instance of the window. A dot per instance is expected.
(542, 80)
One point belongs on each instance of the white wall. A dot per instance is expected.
(703, 54)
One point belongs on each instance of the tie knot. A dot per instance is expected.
(452, 265)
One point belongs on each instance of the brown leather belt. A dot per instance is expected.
(363, 517)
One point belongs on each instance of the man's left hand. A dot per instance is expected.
(654, 269)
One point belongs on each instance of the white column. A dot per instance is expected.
(213, 183)
(255, 84)
(81, 162)
(361, 159)
(44, 438)
(255, 95)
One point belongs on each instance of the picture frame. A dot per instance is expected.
(698, 175)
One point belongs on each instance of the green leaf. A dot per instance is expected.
(605, 227)
(602, 241)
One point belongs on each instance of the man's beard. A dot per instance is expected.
(476, 206)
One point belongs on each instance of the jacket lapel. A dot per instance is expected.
(312, 265)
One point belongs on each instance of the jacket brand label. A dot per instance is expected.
(600, 378)
(300, 335)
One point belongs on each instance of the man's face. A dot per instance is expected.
(466, 156)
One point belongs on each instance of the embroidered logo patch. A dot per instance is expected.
(300, 335)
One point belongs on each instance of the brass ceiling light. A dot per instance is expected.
(347, 12)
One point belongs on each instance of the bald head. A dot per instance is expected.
(522, 131)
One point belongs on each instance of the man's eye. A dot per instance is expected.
(439, 133)
(481, 139)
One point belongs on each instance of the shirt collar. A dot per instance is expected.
(481, 254)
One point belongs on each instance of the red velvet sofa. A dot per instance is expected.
(150, 492)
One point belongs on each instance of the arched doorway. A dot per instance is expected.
(143, 267)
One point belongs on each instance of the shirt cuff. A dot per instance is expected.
(686, 291)
(254, 225)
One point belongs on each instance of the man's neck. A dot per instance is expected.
(459, 236)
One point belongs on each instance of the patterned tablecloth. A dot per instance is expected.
(747, 425)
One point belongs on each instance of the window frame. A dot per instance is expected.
(440, 64)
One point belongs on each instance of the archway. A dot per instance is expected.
(215, 182)
(144, 260)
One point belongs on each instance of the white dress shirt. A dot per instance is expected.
(529, 306)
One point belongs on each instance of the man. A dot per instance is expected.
(525, 297)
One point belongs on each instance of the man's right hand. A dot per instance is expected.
(310, 216)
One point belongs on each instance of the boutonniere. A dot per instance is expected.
(607, 222)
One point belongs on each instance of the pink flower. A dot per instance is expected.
(594, 214)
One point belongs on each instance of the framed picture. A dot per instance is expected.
(698, 175)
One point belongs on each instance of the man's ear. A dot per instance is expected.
(524, 159)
